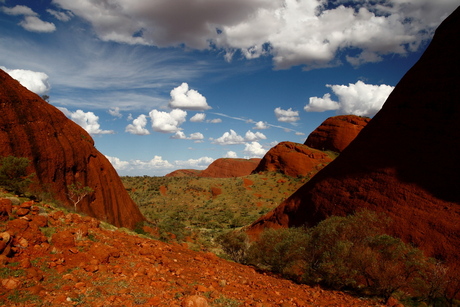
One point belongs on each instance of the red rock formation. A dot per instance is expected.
(335, 133)
(405, 162)
(293, 159)
(184, 173)
(62, 153)
(230, 167)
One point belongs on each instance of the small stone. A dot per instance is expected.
(35, 290)
(27, 204)
(80, 285)
(195, 301)
(73, 250)
(22, 211)
(11, 283)
(25, 263)
(201, 288)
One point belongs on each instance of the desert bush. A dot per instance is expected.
(352, 253)
(280, 250)
(235, 244)
(14, 175)
(338, 252)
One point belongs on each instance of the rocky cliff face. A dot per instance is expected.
(62, 153)
(337, 132)
(293, 159)
(226, 168)
(405, 162)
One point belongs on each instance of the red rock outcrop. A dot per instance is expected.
(230, 167)
(61, 154)
(184, 173)
(336, 132)
(404, 163)
(293, 159)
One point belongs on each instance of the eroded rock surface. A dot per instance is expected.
(336, 132)
(61, 154)
(293, 159)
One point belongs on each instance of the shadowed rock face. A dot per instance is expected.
(62, 153)
(226, 168)
(405, 162)
(337, 132)
(293, 159)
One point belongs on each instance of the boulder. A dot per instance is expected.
(61, 153)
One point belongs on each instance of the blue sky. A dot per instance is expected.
(163, 85)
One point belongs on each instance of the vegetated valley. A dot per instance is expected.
(197, 210)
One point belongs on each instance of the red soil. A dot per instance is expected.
(86, 265)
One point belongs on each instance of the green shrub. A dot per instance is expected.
(235, 244)
(353, 253)
(280, 250)
(13, 174)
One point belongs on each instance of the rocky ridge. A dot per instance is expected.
(61, 154)
(221, 168)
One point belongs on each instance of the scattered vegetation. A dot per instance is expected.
(198, 210)
(348, 253)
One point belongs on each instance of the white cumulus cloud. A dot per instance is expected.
(115, 112)
(287, 116)
(254, 150)
(87, 120)
(214, 121)
(359, 99)
(260, 125)
(187, 99)
(310, 33)
(31, 21)
(19, 10)
(35, 24)
(198, 117)
(231, 154)
(34, 81)
(233, 138)
(138, 126)
(251, 136)
(229, 138)
(180, 135)
(167, 122)
(199, 163)
(156, 166)
(117, 163)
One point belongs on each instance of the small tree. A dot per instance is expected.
(13, 173)
(77, 192)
